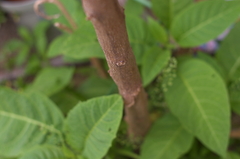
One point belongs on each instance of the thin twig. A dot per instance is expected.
(36, 9)
(61, 8)
(63, 27)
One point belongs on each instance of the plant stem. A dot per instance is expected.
(108, 20)
(235, 133)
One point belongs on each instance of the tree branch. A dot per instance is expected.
(108, 20)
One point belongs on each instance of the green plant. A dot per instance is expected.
(191, 94)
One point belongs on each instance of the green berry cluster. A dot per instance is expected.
(161, 84)
(168, 74)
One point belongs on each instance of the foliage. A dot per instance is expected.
(33, 126)
(69, 112)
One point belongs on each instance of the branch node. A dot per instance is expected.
(121, 63)
(89, 17)
(130, 99)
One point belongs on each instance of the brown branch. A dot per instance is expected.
(108, 20)
(235, 133)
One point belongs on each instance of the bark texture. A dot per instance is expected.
(108, 20)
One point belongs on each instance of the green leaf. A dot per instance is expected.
(138, 36)
(44, 152)
(82, 44)
(92, 125)
(167, 139)
(157, 31)
(25, 34)
(153, 62)
(22, 55)
(138, 31)
(33, 65)
(212, 62)
(199, 99)
(95, 86)
(166, 10)
(228, 53)
(26, 121)
(73, 7)
(40, 35)
(51, 80)
(204, 21)
(132, 7)
(56, 46)
(13, 45)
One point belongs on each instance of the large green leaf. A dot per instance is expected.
(153, 62)
(44, 152)
(166, 10)
(212, 62)
(199, 99)
(92, 125)
(51, 80)
(82, 44)
(228, 54)
(204, 21)
(167, 139)
(26, 121)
